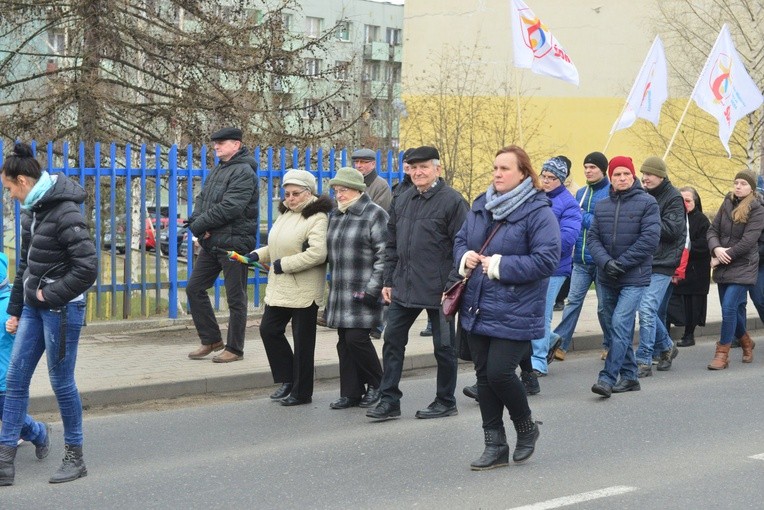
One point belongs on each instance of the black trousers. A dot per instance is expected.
(205, 272)
(399, 322)
(496, 360)
(359, 363)
(287, 366)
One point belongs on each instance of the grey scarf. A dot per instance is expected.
(501, 206)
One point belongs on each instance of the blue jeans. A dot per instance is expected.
(541, 345)
(57, 333)
(31, 430)
(619, 309)
(580, 280)
(732, 298)
(653, 336)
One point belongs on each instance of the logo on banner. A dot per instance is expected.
(536, 36)
(647, 93)
(721, 83)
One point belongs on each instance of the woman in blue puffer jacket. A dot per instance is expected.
(503, 305)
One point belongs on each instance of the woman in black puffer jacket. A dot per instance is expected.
(58, 264)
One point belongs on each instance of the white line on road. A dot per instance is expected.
(757, 457)
(578, 498)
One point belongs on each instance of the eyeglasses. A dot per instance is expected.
(341, 190)
(294, 193)
(548, 177)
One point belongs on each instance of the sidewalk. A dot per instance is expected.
(131, 361)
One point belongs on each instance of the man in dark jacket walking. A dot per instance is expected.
(224, 219)
(622, 241)
(654, 306)
(418, 261)
(365, 161)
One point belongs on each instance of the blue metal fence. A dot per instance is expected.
(111, 174)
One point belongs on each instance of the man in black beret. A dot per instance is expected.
(418, 260)
(224, 219)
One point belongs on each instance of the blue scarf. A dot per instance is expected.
(501, 206)
(43, 184)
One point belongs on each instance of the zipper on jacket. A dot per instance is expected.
(615, 223)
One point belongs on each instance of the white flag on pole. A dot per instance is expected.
(725, 89)
(649, 91)
(535, 47)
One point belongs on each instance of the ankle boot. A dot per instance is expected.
(687, 340)
(527, 435)
(747, 343)
(531, 383)
(7, 469)
(72, 467)
(721, 357)
(496, 453)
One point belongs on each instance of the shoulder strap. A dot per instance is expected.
(490, 236)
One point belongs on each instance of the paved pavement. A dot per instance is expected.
(132, 361)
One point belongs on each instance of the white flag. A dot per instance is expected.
(535, 47)
(725, 89)
(649, 91)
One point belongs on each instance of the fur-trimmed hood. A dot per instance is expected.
(322, 204)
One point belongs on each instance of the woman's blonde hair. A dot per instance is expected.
(743, 209)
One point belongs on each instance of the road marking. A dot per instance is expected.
(578, 498)
(757, 457)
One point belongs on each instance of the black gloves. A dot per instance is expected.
(613, 269)
(366, 299)
(253, 256)
(277, 267)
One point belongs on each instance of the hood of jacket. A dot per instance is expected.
(322, 204)
(63, 190)
(243, 156)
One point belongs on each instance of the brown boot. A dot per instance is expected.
(747, 344)
(204, 350)
(721, 358)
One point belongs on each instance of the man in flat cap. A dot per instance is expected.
(418, 260)
(365, 161)
(224, 219)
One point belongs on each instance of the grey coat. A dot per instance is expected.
(356, 247)
(378, 190)
(742, 238)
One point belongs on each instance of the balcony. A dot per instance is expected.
(376, 51)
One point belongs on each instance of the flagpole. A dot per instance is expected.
(612, 132)
(684, 113)
(519, 113)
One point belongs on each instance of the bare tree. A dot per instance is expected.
(468, 114)
(689, 29)
(164, 71)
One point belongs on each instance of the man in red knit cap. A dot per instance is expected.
(622, 240)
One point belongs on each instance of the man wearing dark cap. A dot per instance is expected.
(224, 219)
(584, 271)
(418, 261)
(653, 336)
(365, 161)
(622, 240)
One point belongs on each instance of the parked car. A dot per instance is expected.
(181, 242)
(118, 237)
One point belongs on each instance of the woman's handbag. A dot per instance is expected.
(452, 297)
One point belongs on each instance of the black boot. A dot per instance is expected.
(527, 435)
(7, 469)
(687, 341)
(531, 383)
(496, 453)
(72, 467)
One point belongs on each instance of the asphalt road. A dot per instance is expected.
(689, 439)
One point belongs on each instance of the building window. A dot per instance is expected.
(309, 109)
(343, 31)
(394, 36)
(370, 33)
(313, 26)
(343, 110)
(255, 15)
(393, 73)
(371, 71)
(286, 20)
(312, 66)
(341, 70)
(56, 42)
